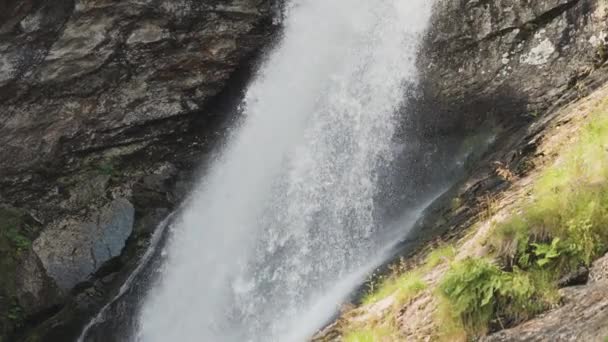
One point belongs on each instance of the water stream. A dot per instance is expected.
(287, 220)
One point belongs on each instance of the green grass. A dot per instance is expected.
(439, 256)
(372, 334)
(569, 207)
(404, 287)
(561, 226)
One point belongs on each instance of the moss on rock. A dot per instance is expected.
(14, 241)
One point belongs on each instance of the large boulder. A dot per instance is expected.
(71, 250)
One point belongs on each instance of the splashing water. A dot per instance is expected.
(287, 214)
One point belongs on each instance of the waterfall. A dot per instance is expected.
(287, 214)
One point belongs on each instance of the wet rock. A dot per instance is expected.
(72, 251)
(106, 110)
(511, 60)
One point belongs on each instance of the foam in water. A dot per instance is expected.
(286, 215)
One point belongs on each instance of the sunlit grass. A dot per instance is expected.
(563, 226)
(439, 256)
(372, 334)
(569, 203)
(403, 287)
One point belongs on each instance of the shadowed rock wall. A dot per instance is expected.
(106, 110)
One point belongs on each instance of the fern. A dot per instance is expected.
(546, 253)
(479, 294)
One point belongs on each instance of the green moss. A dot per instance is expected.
(13, 241)
(15, 313)
(404, 287)
(106, 167)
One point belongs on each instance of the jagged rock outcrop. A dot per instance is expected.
(495, 66)
(511, 60)
(106, 109)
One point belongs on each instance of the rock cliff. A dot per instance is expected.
(106, 109)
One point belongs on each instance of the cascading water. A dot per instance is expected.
(287, 213)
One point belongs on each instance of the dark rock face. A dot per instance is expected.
(106, 109)
(489, 68)
(500, 70)
(510, 60)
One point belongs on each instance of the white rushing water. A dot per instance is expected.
(286, 215)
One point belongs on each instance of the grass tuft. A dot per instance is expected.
(372, 334)
(439, 256)
(404, 287)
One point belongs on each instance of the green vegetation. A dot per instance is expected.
(404, 288)
(407, 285)
(12, 232)
(13, 241)
(478, 293)
(15, 313)
(376, 334)
(439, 256)
(562, 227)
(558, 228)
(20, 242)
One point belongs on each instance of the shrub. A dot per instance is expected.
(469, 287)
(478, 293)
